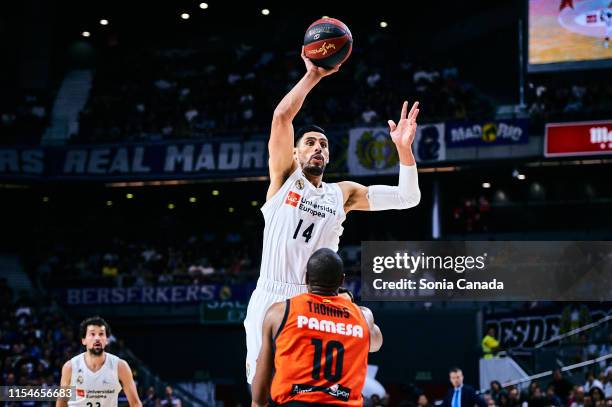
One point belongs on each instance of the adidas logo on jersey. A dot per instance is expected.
(293, 198)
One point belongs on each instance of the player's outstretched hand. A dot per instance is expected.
(317, 70)
(403, 132)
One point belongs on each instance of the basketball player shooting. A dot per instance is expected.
(97, 376)
(302, 213)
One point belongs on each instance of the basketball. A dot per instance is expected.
(328, 42)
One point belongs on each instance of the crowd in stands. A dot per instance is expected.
(132, 264)
(23, 117)
(595, 392)
(180, 93)
(563, 99)
(34, 342)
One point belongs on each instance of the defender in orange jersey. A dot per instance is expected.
(315, 345)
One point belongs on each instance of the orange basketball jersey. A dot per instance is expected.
(321, 352)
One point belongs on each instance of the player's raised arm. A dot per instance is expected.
(127, 383)
(382, 197)
(280, 145)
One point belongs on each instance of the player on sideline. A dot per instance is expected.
(606, 17)
(315, 346)
(97, 376)
(302, 213)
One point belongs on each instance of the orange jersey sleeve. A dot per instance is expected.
(321, 352)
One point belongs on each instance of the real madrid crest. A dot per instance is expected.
(80, 379)
(299, 184)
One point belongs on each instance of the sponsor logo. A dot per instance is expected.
(323, 49)
(601, 136)
(316, 209)
(80, 392)
(316, 36)
(329, 326)
(293, 198)
(337, 390)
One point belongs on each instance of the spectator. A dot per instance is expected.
(561, 385)
(461, 395)
(608, 386)
(422, 401)
(598, 396)
(536, 398)
(496, 389)
(169, 399)
(490, 347)
(514, 397)
(552, 399)
(150, 399)
(591, 382)
(578, 400)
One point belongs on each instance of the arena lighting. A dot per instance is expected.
(383, 24)
(129, 196)
(254, 203)
(215, 192)
(109, 203)
(203, 6)
(501, 196)
(170, 206)
(486, 185)
(86, 34)
(104, 22)
(185, 16)
(230, 209)
(45, 199)
(516, 174)
(265, 12)
(193, 199)
(325, 17)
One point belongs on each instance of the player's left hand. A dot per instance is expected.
(404, 131)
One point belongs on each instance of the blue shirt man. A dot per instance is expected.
(461, 395)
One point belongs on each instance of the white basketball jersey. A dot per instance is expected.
(95, 389)
(300, 219)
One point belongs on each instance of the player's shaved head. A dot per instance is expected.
(325, 270)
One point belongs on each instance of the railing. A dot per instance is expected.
(574, 332)
(563, 369)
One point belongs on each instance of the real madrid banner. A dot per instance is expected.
(372, 152)
(480, 134)
(219, 157)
